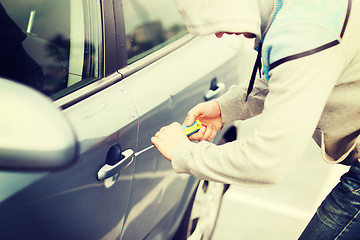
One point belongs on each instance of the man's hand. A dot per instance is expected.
(166, 139)
(209, 114)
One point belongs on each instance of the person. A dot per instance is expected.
(310, 86)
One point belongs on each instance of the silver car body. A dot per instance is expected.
(142, 198)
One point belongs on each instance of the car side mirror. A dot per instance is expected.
(34, 133)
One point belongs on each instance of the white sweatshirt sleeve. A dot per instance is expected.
(233, 105)
(298, 91)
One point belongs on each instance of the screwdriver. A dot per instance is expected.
(188, 130)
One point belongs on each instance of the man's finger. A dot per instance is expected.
(207, 133)
(155, 141)
(198, 135)
(193, 114)
(190, 119)
(213, 134)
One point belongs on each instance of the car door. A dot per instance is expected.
(69, 49)
(168, 72)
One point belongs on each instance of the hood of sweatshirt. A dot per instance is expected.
(204, 17)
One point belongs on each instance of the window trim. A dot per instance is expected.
(109, 37)
(120, 35)
(155, 56)
(95, 87)
(87, 91)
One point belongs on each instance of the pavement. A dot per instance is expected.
(281, 211)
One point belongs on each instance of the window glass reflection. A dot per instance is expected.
(150, 25)
(45, 44)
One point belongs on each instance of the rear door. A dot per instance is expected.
(168, 72)
(63, 51)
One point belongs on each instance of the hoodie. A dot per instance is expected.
(310, 88)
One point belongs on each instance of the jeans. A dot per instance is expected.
(338, 217)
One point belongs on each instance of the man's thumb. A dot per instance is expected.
(190, 119)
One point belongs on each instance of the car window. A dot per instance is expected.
(51, 45)
(150, 25)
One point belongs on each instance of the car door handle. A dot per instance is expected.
(108, 170)
(215, 90)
